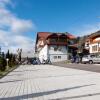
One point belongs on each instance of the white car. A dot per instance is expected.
(91, 59)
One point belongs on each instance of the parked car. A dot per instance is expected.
(47, 61)
(35, 61)
(91, 59)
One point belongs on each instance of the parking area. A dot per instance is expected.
(86, 67)
(49, 82)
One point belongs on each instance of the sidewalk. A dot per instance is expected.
(48, 82)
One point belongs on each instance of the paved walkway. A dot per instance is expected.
(48, 82)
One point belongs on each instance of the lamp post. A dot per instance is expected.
(7, 67)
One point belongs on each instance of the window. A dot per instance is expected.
(59, 48)
(55, 57)
(50, 47)
(94, 48)
(62, 39)
(59, 57)
(92, 56)
(99, 49)
(87, 45)
(53, 40)
(55, 48)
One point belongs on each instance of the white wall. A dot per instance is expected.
(62, 53)
(43, 53)
(48, 51)
(63, 57)
(63, 50)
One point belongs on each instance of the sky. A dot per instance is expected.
(20, 20)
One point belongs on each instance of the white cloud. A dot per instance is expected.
(21, 42)
(11, 29)
(3, 3)
(15, 24)
(20, 26)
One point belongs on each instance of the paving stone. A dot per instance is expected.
(49, 82)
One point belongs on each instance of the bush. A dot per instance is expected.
(11, 57)
(2, 64)
(11, 63)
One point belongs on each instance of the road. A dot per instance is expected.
(49, 82)
(86, 67)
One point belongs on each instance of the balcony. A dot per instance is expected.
(57, 42)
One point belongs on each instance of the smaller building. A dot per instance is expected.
(92, 43)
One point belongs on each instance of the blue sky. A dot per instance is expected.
(60, 15)
(27, 17)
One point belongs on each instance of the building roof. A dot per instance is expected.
(93, 35)
(43, 37)
(43, 34)
(47, 34)
(70, 36)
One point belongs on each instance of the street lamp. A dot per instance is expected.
(7, 67)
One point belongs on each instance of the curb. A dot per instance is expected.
(9, 71)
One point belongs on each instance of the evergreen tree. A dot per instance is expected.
(2, 64)
(7, 55)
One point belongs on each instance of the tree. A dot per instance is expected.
(2, 64)
(19, 54)
(7, 54)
